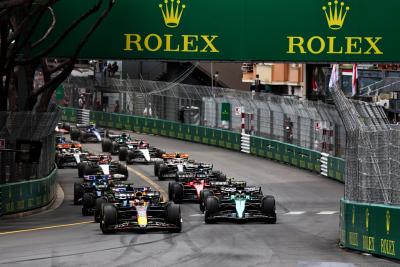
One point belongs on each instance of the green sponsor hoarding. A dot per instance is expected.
(257, 30)
(371, 228)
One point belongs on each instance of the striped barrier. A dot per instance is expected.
(245, 143)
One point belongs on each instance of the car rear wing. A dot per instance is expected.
(175, 155)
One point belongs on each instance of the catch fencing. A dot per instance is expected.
(27, 126)
(309, 124)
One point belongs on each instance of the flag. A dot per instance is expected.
(354, 80)
(334, 77)
(314, 80)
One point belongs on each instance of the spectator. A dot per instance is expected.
(109, 69)
(98, 106)
(81, 101)
(116, 109)
(114, 68)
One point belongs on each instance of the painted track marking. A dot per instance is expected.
(328, 212)
(45, 228)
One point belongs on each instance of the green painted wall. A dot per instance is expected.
(24, 196)
(371, 228)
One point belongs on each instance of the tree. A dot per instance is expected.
(19, 28)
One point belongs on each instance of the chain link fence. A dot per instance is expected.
(27, 126)
(310, 124)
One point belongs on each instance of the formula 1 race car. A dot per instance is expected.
(63, 127)
(171, 164)
(113, 143)
(92, 186)
(139, 151)
(103, 164)
(63, 143)
(141, 211)
(170, 168)
(86, 133)
(69, 157)
(240, 205)
(189, 185)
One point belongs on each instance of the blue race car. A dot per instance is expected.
(87, 133)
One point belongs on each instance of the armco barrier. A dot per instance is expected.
(28, 195)
(287, 153)
(371, 228)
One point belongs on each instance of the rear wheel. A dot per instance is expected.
(204, 194)
(81, 169)
(114, 146)
(106, 145)
(74, 134)
(156, 168)
(211, 207)
(66, 126)
(177, 193)
(78, 193)
(88, 202)
(123, 152)
(82, 137)
(110, 218)
(98, 211)
(123, 169)
(174, 217)
(129, 156)
(161, 171)
(268, 208)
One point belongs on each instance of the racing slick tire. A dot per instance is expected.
(123, 152)
(211, 207)
(156, 168)
(175, 191)
(78, 193)
(129, 157)
(123, 169)
(66, 126)
(204, 194)
(81, 167)
(106, 145)
(174, 217)
(98, 212)
(268, 208)
(114, 146)
(74, 134)
(161, 171)
(109, 218)
(88, 170)
(82, 137)
(88, 202)
(220, 176)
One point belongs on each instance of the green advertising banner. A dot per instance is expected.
(371, 228)
(257, 30)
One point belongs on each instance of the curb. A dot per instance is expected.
(54, 204)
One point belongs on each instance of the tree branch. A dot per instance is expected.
(49, 30)
(13, 3)
(63, 35)
(55, 82)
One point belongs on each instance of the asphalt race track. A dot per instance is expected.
(306, 233)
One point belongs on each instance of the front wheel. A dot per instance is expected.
(110, 219)
(268, 207)
(174, 217)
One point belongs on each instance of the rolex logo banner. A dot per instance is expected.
(257, 30)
